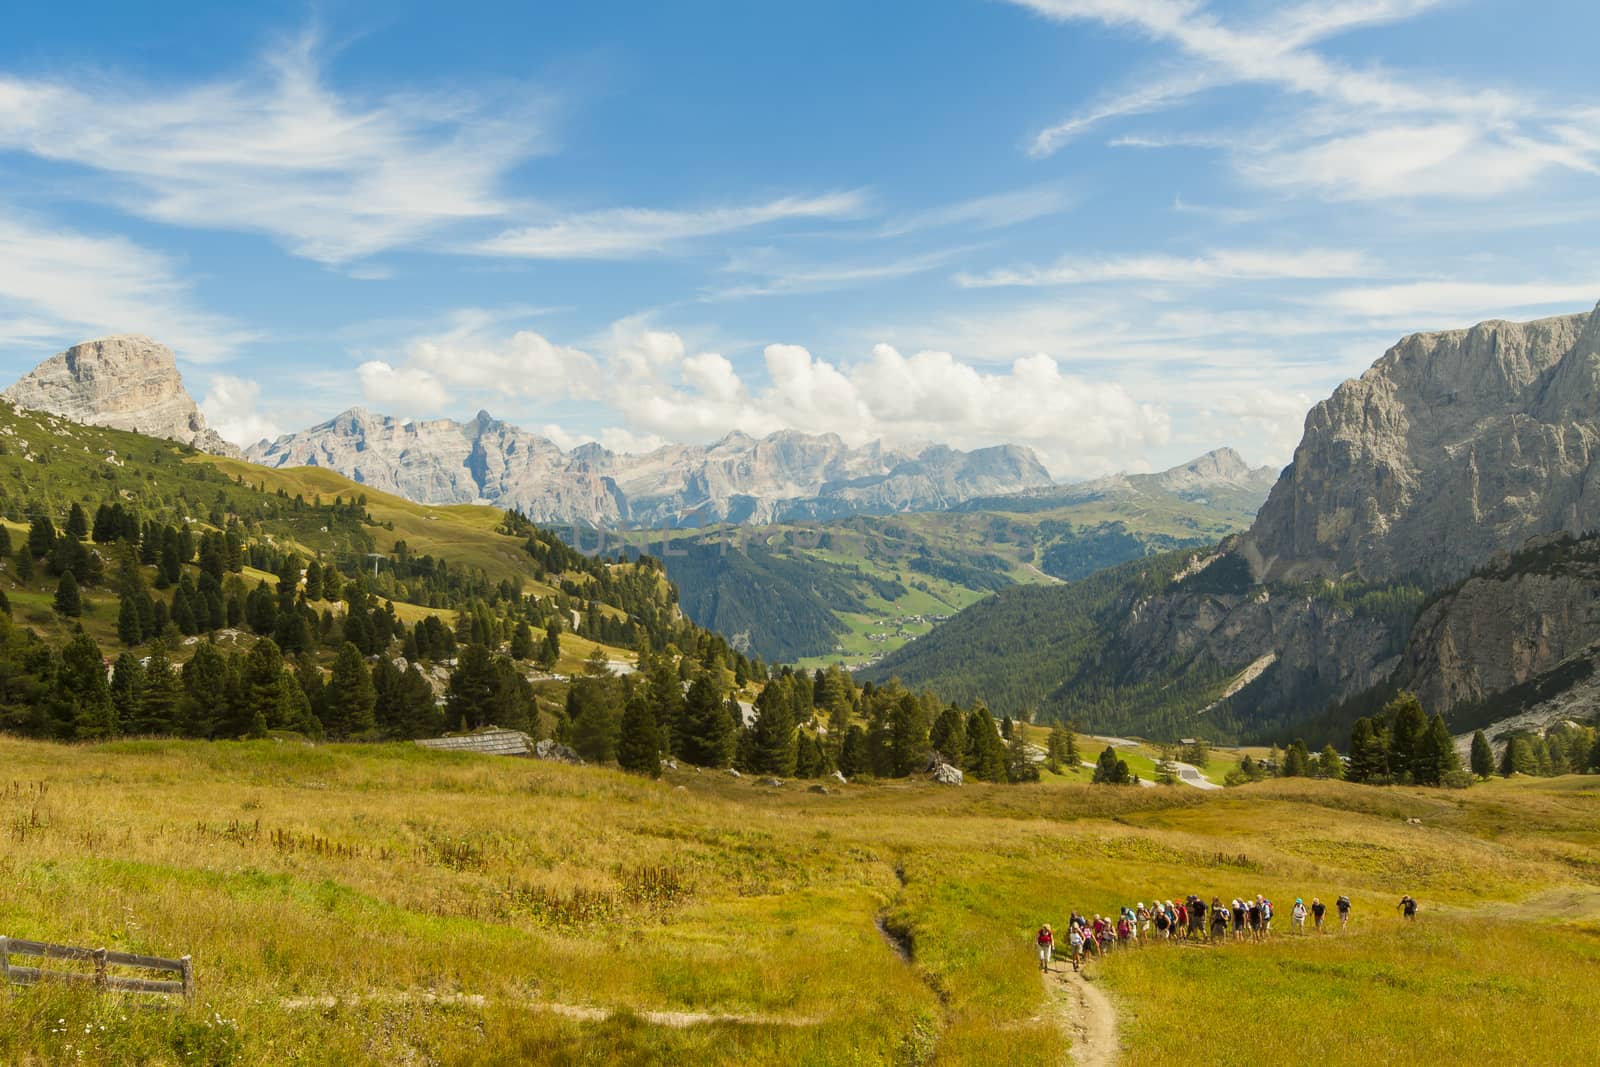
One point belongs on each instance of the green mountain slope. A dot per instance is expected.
(189, 550)
(853, 590)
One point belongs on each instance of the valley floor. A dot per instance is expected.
(388, 904)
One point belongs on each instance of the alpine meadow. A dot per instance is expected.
(977, 532)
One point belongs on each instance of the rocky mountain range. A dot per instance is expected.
(1452, 452)
(739, 479)
(1452, 447)
(126, 382)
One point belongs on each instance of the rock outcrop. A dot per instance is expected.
(124, 382)
(1452, 447)
(739, 479)
(1517, 619)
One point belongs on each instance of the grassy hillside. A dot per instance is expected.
(385, 904)
(339, 564)
(854, 590)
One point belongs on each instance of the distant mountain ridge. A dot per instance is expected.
(854, 589)
(739, 479)
(1455, 448)
(125, 382)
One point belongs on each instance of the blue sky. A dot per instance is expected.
(1118, 231)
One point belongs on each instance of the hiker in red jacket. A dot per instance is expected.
(1047, 943)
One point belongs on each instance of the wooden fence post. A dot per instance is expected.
(100, 969)
(188, 978)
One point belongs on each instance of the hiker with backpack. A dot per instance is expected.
(1343, 904)
(1046, 940)
(1219, 919)
(1297, 917)
(1318, 909)
(1075, 940)
(1408, 907)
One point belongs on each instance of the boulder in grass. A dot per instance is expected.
(945, 774)
(773, 782)
(555, 751)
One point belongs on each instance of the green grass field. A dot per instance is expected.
(387, 904)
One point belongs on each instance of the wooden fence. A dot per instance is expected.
(100, 978)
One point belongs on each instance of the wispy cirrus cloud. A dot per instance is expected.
(626, 233)
(1243, 264)
(58, 286)
(992, 212)
(1360, 133)
(279, 152)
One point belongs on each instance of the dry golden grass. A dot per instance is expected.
(386, 904)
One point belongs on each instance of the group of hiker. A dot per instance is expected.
(1190, 919)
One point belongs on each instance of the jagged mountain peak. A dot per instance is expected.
(124, 381)
(1454, 445)
(740, 478)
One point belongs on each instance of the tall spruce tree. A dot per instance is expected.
(1482, 756)
(638, 744)
(986, 756)
(949, 736)
(709, 732)
(68, 601)
(350, 698)
(160, 708)
(772, 737)
(908, 735)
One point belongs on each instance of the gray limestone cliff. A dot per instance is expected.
(738, 479)
(1452, 447)
(124, 382)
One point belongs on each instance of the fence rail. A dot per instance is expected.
(100, 978)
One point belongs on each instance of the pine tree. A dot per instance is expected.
(773, 744)
(207, 685)
(908, 736)
(350, 699)
(1332, 765)
(41, 536)
(127, 688)
(639, 746)
(949, 736)
(1110, 770)
(81, 680)
(77, 522)
(130, 628)
(1056, 747)
(709, 736)
(1296, 761)
(68, 601)
(986, 757)
(160, 706)
(1020, 766)
(1437, 759)
(5, 542)
(665, 692)
(1368, 753)
(268, 691)
(550, 650)
(855, 757)
(1408, 726)
(522, 646)
(471, 695)
(1070, 754)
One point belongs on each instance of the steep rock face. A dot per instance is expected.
(1501, 628)
(1306, 646)
(1453, 446)
(738, 479)
(124, 382)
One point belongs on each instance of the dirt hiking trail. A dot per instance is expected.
(1086, 1015)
